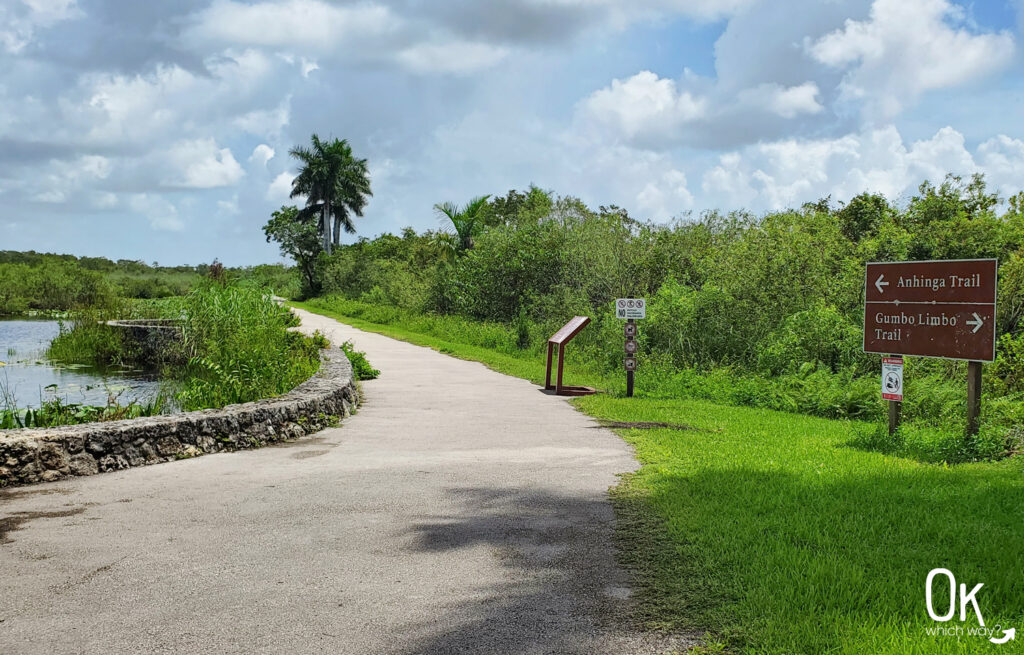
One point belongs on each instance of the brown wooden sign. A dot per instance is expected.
(569, 330)
(931, 309)
(560, 339)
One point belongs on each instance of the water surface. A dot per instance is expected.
(30, 378)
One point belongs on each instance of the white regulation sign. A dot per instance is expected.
(631, 308)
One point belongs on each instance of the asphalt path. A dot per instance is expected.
(459, 511)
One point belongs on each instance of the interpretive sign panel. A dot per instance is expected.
(931, 309)
(569, 330)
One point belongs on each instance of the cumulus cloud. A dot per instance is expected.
(62, 178)
(651, 112)
(280, 188)
(161, 214)
(115, 108)
(19, 21)
(201, 164)
(262, 154)
(290, 24)
(452, 57)
(789, 172)
(908, 47)
(644, 108)
(786, 102)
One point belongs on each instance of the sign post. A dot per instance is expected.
(630, 309)
(943, 309)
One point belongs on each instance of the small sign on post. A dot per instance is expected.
(944, 309)
(892, 378)
(630, 309)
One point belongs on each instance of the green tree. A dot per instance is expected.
(299, 240)
(467, 221)
(336, 186)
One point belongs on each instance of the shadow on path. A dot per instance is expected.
(563, 592)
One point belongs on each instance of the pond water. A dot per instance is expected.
(30, 378)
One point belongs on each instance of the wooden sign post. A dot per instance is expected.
(560, 338)
(943, 309)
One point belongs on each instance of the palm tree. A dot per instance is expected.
(336, 186)
(467, 222)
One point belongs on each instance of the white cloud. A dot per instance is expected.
(103, 200)
(321, 26)
(62, 178)
(1003, 159)
(201, 164)
(19, 21)
(308, 66)
(451, 57)
(280, 188)
(700, 9)
(229, 207)
(170, 101)
(266, 122)
(786, 102)
(161, 214)
(790, 172)
(905, 48)
(643, 107)
(262, 154)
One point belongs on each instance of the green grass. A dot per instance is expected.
(771, 532)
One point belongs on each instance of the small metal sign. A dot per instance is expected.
(631, 347)
(630, 330)
(892, 378)
(629, 363)
(630, 308)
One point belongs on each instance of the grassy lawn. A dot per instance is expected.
(766, 530)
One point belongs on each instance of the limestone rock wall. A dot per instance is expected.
(47, 454)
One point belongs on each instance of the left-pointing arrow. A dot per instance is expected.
(977, 323)
(879, 284)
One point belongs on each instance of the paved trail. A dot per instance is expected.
(460, 511)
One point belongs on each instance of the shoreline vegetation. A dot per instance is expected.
(235, 347)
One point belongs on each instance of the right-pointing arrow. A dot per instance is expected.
(879, 284)
(1008, 634)
(977, 323)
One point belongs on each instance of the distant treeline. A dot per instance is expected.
(55, 282)
(99, 264)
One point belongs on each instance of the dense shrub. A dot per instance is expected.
(819, 335)
(239, 347)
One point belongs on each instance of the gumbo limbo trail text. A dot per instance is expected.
(919, 319)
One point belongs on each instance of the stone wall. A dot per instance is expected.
(47, 454)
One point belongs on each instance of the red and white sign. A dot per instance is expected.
(892, 378)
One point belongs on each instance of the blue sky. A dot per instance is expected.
(160, 131)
